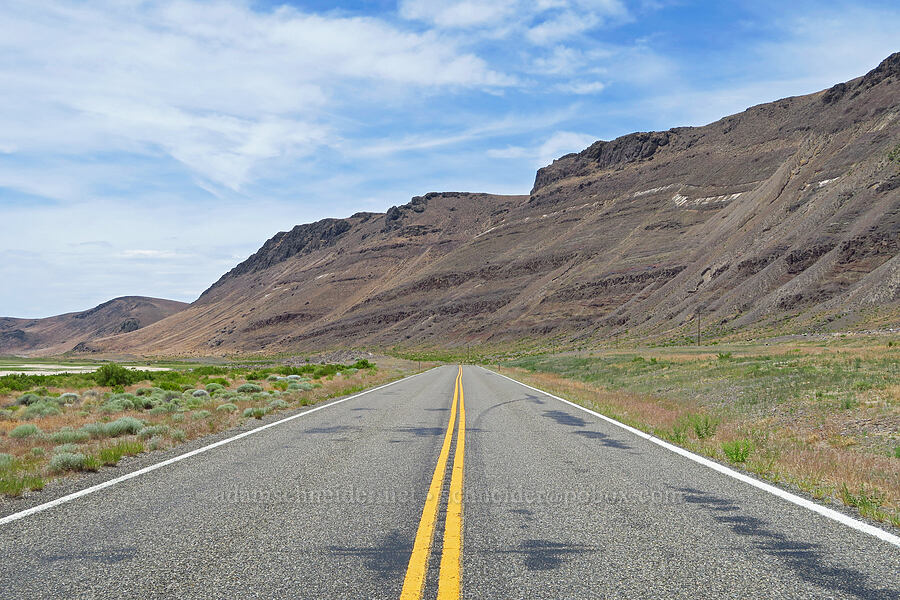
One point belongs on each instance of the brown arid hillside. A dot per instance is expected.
(783, 218)
(55, 335)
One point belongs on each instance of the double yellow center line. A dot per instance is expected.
(450, 573)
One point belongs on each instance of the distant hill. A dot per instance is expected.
(55, 335)
(783, 218)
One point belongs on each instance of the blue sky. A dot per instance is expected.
(147, 147)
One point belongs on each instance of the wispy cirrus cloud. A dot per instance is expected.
(217, 86)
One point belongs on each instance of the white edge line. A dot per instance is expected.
(96, 488)
(776, 491)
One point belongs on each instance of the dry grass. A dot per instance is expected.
(826, 420)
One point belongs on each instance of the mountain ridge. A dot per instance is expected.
(61, 333)
(784, 217)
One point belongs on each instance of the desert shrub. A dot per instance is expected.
(198, 415)
(147, 402)
(67, 435)
(121, 426)
(178, 417)
(67, 461)
(362, 364)
(227, 407)
(256, 413)
(37, 451)
(249, 388)
(121, 402)
(92, 430)
(724, 355)
(151, 430)
(144, 391)
(65, 449)
(200, 394)
(25, 430)
(112, 374)
(28, 399)
(69, 398)
(6, 460)
(41, 409)
(214, 387)
(273, 377)
(177, 435)
(737, 451)
(277, 404)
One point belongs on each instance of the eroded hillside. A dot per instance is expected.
(785, 216)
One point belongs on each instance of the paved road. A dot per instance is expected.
(556, 504)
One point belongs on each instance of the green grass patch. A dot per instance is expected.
(738, 451)
(111, 455)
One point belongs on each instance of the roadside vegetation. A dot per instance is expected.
(53, 425)
(823, 416)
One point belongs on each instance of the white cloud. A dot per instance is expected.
(563, 142)
(821, 49)
(539, 21)
(582, 87)
(456, 13)
(545, 152)
(215, 85)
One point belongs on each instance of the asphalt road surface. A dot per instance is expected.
(542, 500)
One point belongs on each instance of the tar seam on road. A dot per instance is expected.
(414, 581)
(793, 498)
(180, 457)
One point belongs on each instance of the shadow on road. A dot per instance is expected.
(604, 439)
(807, 559)
(386, 559)
(546, 555)
(564, 418)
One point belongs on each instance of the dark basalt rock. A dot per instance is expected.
(128, 325)
(630, 148)
(302, 239)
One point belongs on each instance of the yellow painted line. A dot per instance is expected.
(414, 582)
(451, 562)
